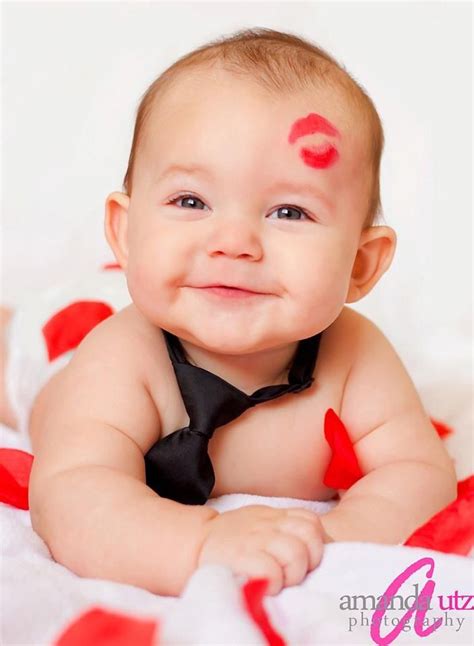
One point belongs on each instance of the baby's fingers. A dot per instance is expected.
(292, 555)
(309, 533)
(301, 512)
(259, 565)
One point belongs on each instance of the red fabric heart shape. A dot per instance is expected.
(99, 627)
(452, 529)
(343, 469)
(66, 329)
(252, 593)
(442, 429)
(15, 468)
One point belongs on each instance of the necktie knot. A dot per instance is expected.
(178, 466)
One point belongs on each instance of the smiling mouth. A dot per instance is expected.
(230, 292)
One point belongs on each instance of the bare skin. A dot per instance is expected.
(93, 422)
(280, 544)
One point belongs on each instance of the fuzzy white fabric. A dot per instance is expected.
(28, 367)
(41, 597)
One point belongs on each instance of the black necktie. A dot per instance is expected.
(178, 465)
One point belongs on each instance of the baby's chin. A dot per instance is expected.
(237, 335)
(233, 344)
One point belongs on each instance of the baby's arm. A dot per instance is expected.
(409, 475)
(90, 428)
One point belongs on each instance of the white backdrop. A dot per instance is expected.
(73, 73)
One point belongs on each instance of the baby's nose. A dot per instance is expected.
(236, 235)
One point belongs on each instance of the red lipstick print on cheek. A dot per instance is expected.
(316, 156)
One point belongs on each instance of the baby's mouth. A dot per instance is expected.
(230, 292)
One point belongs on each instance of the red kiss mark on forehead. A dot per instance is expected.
(311, 124)
(322, 156)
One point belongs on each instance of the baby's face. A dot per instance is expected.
(273, 201)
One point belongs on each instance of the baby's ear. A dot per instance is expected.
(374, 256)
(116, 226)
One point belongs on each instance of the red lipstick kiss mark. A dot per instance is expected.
(316, 157)
(311, 124)
(322, 157)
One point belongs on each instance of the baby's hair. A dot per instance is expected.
(282, 63)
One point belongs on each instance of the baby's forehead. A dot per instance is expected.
(211, 103)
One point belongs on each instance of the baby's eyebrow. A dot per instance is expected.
(180, 169)
(300, 189)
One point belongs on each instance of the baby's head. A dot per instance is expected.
(277, 151)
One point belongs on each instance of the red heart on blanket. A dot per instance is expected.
(252, 593)
(442, 429)
(451, 530)
(99, 627)
(15, 468)
(66, 329)
(343, 469)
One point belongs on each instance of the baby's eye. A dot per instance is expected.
(290, 213)
(192, 200)
(286, 212)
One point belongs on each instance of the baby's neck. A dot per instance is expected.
(247, 372)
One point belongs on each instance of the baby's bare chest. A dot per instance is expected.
(276, 448)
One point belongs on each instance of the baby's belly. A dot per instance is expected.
(276, 450)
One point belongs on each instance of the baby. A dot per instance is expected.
(217, 377)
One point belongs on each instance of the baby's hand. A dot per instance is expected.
(282, 545)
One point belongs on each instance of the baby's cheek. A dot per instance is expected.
(324, 287)
(143, 283)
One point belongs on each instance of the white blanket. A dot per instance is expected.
(40, 598)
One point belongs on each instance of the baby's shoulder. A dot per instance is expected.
(348, 321)
(346, 335)
(107, 377)
(337, 351)
(378, 386)
(142, 346)
(97, 409)
(363, 342)
(124, 340)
